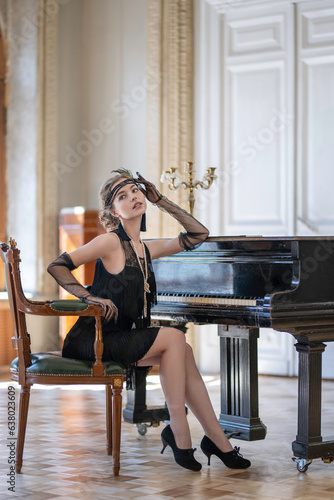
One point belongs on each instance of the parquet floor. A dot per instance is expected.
(65, 454)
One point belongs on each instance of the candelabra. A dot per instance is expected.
(174, 181)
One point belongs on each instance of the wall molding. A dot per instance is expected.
(222, 6)
(47, 181)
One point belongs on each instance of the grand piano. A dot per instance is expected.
(243, 284)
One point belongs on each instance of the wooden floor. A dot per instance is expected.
(65, 454)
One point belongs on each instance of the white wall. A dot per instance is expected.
(264, 93)
(102, 95)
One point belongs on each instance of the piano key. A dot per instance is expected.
(187, 299)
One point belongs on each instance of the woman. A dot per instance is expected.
(124, 286)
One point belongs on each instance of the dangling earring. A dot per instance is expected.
(143, 222)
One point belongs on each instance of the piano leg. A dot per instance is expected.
(309, 443)
(239, 383)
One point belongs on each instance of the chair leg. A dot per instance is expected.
(22, 424)
(109, 418)
(116, 419)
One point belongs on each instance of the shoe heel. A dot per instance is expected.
(208, 454)
(164, 445)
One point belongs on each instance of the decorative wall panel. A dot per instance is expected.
(258, 120)
(317, 27)
(256, 35)
(255, 135)
(315, 111)
(317, 75)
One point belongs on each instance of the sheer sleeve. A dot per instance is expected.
(60, 269)
(194, 233)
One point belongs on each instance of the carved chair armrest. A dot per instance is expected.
(69, 308)
(58, 307)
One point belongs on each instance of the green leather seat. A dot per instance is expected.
(52, 363)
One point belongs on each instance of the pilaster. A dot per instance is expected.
(170, 104)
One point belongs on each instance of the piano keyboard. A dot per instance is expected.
(217, 301)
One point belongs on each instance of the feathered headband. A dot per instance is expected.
(114, 192)
(116, 188)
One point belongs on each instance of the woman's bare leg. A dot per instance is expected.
(198, 400)
(192, 391)
(169, 348)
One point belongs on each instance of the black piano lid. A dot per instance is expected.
(251, 267)
(229, 266)
(294, 277)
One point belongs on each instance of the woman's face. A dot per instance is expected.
(129, 202)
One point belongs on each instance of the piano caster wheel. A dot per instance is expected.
(302, 464)
(142, 428)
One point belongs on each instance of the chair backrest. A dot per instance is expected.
(10, 256)
(8, 260)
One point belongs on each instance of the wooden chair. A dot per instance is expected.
(50, 367)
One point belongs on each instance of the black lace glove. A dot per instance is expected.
(195, 231)
(60, 269)
(149, 189)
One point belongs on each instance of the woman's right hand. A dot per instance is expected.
(149, 189)
(109, 310)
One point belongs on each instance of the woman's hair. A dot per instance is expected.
(108, 221)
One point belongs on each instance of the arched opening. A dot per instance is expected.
(2, 153)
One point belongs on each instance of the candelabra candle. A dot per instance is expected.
(175, 181)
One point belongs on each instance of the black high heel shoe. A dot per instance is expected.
(183, 457)
(232, 459)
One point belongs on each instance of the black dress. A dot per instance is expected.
(129, 339)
